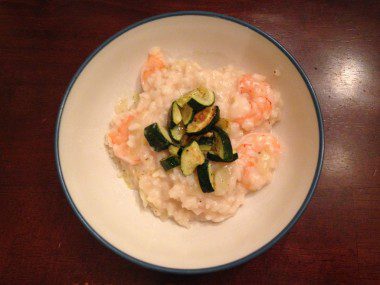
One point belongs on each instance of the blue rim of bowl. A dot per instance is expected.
(249, 256)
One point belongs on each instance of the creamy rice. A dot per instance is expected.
(246, 100)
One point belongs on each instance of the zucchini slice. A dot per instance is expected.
(191, 157)
(185, 98)
(201, 98)
(206, 177)
(175, 116)
(222, 145)
(157, 137)
(187, 114)
(177, 132)
(175, 150)
(214, 157)
(203, 121)
(170, 162)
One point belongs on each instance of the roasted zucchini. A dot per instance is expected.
(203, 121)
(222, 145)
(214, 157)
(187, 114)
(157, 137)
(201, 98)
(170, 162)
(206, 177)
(191, 157)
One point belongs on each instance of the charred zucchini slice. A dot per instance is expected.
(203, 121)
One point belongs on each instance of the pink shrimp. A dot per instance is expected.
(258, 155)
(118, 138)
(260, 104)
(154, 62)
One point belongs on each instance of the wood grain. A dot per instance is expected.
(42, 44)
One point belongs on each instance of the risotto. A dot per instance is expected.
(247, 108)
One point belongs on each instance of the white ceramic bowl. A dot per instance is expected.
(112, 213)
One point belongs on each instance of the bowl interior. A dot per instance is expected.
(115, 213)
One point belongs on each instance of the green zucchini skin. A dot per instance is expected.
(156, 138)
(205, 177)
(214, 157)
(170, 162)
(204, 121)
(201, 98)
(222, 144)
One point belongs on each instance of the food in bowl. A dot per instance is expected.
(196, 140)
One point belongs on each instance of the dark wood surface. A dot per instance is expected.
(43, 43)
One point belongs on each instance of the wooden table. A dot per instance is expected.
(42, 45)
